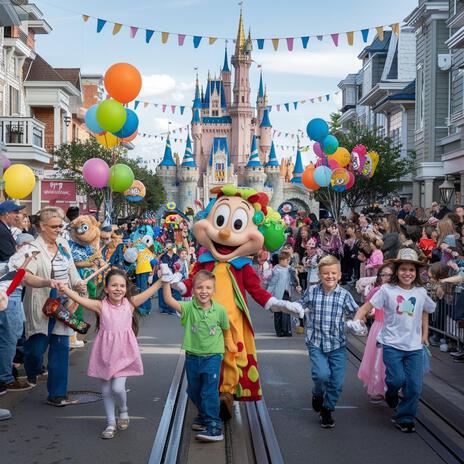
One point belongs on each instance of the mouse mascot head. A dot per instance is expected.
(238, 223)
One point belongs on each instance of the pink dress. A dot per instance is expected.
(372, 369)
(115, 352)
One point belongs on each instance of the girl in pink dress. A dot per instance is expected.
(372, 369)
(115, 353)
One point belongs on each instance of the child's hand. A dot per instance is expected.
(440, 293)
(299, 289)
(3, 301)
(453, 265)
(425, 340)
(230, 346)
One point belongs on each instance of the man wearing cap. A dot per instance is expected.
(12, 319)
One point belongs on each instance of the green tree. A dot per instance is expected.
(388, 176)
(70, 158)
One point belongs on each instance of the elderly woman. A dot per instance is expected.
(53, 263)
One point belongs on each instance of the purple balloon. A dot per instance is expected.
(96, 172)
(318, 150)
(6, 163)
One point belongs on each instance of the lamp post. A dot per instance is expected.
(446, 191)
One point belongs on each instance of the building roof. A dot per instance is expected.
(196, 116)
(377, 46)
(253, 161)
(214, 86)
(298, 169)
(167, 160)
(219, 145)
(189, 160)
(273, 161)
(266, 122)
(261, 87)
(408, 93)
(240, 41)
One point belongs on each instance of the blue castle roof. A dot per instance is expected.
(266, 122)
(189, 160)
(253, 161)
(273, 161)
(215, 85)
(196, 116)
(168, 160)
(298, 169)
(219, 144)
(225, 66)
(261, 86)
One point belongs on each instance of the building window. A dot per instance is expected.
(420, 95)
(14, 101)
(215, 113)
(243, 99)
(219, 173)
(395, 127)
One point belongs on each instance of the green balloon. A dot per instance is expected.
(121, 177)
(111, 115)
(274, 236)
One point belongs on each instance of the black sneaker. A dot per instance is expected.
(392, 399)
(3, 389)
(317, 403)
(210, 435)
(326, 419)
(405, 427)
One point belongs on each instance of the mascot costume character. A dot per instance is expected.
(233, 227)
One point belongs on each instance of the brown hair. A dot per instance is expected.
(201, 276)
(438, 271)
(284, 255)
(378, 281)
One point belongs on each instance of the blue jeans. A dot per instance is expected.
(58, 360)
(11, 329)
(404, 371)
(327, 372)
(141, 280)
(203, 374)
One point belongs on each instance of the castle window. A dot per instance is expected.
(243, 99)
(215, 113)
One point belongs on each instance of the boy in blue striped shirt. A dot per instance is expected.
(325, 305)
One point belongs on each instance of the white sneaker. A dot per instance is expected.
(77, 344)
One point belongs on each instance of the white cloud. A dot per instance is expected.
(165, 89)
(326, 64)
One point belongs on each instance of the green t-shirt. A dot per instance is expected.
(203, 327)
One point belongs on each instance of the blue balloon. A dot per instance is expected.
(130, 126)
(330, 144)
(317, 129)
(323, 176)
(91, 120)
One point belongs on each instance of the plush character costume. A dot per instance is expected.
(228, 229)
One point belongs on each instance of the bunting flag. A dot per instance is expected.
(260, 42)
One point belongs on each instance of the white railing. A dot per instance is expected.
(22, 131)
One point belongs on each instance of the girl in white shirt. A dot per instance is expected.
(406, 318)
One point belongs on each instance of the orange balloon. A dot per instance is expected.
(131, 137)
(307, 178)
(123, 82)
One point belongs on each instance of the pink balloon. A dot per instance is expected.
(6, 163)
(318, 150)
(351, 181)
(333, 164)
(360, 149)
(96, 172)
(318, 163)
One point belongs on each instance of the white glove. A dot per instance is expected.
(3, 301)
(180, 287)
(276, 306)
(357, 328)
(295, 309)
(166, 274)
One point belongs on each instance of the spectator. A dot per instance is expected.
(459, 211)
(439, 211)
(405, 210)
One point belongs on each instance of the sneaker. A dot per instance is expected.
(210, 435)
(326, 419)
(406, 427)
(198, 425)
(76, 344)
(317, 403)
(392, 399)
(457, 354)
(299, 330)
(19, 385)
(3, 389)
(376, 399)
(60, 401)
(4, 414)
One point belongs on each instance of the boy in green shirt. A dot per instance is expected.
(206, 332)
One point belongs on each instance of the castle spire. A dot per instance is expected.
(298, 169)
(253, 161)
(261, 86)
(188, 160)
(168, 160)
(240, 42)
(266, 122)
(273, 161)
(197, 100)
(225, 66)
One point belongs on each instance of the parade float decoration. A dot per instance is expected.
(136, 192)
(235, 225)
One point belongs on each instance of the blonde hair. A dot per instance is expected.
(328, 260)
(50, 212)
(201, 276)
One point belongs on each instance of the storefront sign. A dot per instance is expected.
(59, 191)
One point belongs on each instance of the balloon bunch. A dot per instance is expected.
(109, 120)
(336, 167)
(98, 174)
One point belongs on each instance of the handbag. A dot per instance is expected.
(54, 307)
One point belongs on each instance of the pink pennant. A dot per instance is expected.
(133, 31)
(173, 108)
(335, 39)
(278, 107)
(180, 39)
(164, 108)
(290, 44)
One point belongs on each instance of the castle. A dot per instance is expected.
(232, 142)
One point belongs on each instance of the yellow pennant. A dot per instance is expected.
(350, 37)
(275, 44)
(145, 104)
(116, 28)
(211, 40)
(319, 98)
(379, 30)
(395, 28)
(164, 37)
(85, 18)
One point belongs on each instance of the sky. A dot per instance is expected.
(168, 70)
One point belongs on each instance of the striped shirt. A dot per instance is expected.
(325, 325)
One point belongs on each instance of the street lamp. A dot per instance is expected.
(67, 120)
(446, 190)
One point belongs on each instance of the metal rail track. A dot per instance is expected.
(252, 419)
(432, 431)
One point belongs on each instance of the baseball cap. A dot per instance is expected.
(9, 206)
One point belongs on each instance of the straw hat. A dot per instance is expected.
(407, 255)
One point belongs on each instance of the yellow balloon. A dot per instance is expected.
(341, 156)
(19, 181)
(108, 140)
